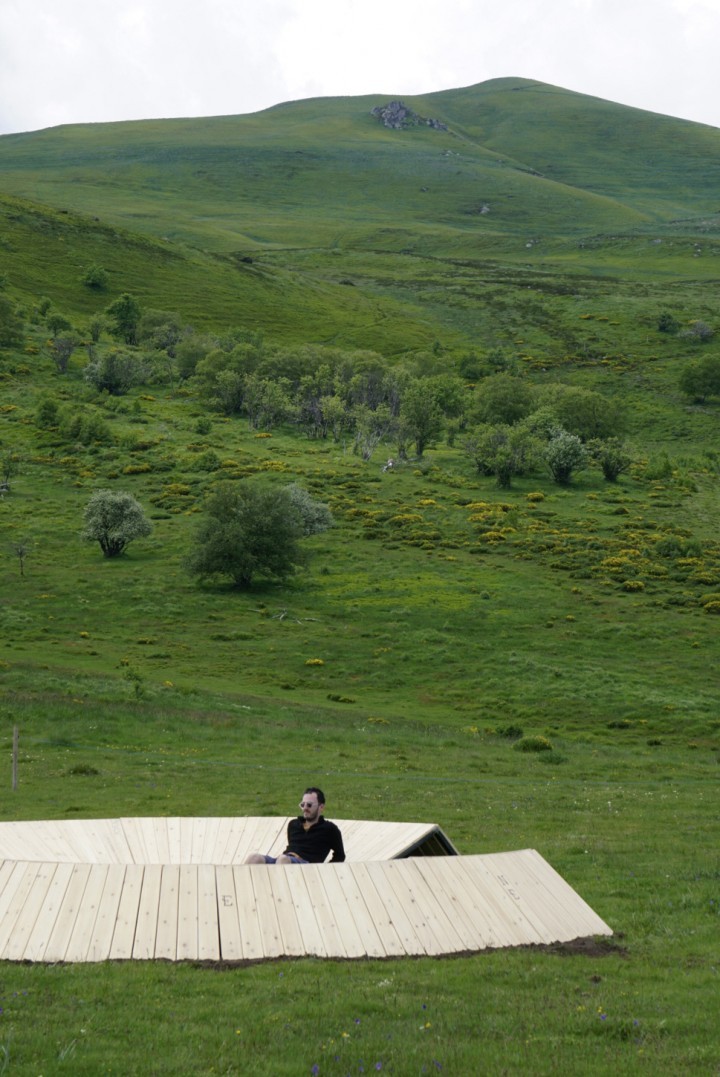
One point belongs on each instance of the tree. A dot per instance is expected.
(125, 314)
(61, 348)
(95, 277)
(266, 403)
(699, 332)
(249, 530)
(11, 324)
(114, 519)
(503, 451)
(160, 329)
(115, 372)
(501, 399)
(314, 516)
(585, 413)
(700, 378)
(565, 454)
(612, 456)
(420, 414)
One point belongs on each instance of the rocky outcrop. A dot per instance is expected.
(397, 116)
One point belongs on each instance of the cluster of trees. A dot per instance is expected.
(249, 529)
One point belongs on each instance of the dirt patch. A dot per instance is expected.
(589, 947)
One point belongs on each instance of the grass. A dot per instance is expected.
(450, 618)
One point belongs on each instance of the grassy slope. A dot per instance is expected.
(138, 692)
(323, 173)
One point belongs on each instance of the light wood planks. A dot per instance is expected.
(190, 840)
(427, 905)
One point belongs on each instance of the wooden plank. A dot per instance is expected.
(250, 935)
(208, 853)
(230, 841)
(228, 924)
(166, 939)
(336, 902)
(121, 947)
(82, 933)
(190, 829)
(476, 911)
(118, 843)
(389, 917)
(174, 840)
(108, 908)
(547, 916)
(208, 928)
(14, 897)
(509, 926)
(160, 840)
(267, 912)
(325, 913)
(7, 867)
(147, 917)
(423, 914)
(293, 943)
(187, 926)
(134, 834)
(45, 922)
(31, 908)
(62, 929)
(519, 891)
(351, 885)
(448, 888)
(305, 907)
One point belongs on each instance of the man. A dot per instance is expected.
(310, 836)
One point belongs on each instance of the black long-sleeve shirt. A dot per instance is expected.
(315, 843)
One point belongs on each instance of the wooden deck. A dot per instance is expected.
(176, 889)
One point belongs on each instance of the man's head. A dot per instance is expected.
(312, 804)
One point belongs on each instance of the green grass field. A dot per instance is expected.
(446, 613)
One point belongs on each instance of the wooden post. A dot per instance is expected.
(15, 757)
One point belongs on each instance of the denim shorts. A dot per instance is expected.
(295, 859)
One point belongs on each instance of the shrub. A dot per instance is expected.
(114, 519)
(564, 455)
(532, 744)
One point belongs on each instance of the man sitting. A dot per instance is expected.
(310, 836)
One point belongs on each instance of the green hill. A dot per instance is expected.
(326, 173)
(529, 667)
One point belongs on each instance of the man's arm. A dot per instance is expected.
(338, 849)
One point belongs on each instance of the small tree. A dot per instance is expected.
(125, 314)
(503, 451)
(249, 530)
(314, 515)
(700, 378)
(61, 348)
(114, 519)
(95, 277)
(612, 456)
(115, 372)
(420, 414)
(564, 454)
(501, 399)
(11, 324)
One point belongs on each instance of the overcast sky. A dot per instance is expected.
(77, 61)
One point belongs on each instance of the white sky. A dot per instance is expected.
(77, 61)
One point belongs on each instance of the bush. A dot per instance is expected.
(249, 530)
(115, 372)
(564, 455)
(114, 519)
(532, 744)
(314, 515)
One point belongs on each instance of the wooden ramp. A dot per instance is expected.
(187, 840)
(64, 908)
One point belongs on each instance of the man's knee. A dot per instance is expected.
(255, 858)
